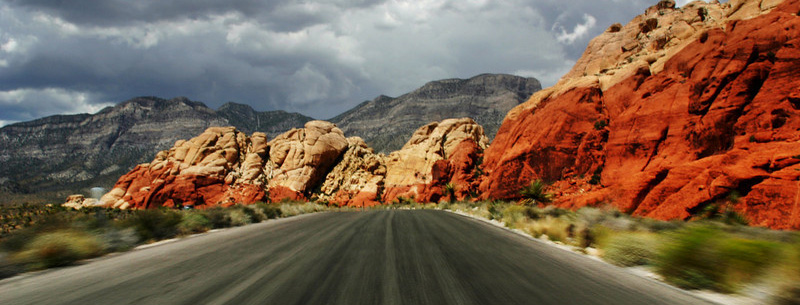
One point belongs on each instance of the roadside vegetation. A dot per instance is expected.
(716, 252)
(37, 237)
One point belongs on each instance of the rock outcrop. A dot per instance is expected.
(300, 158)
(79, 201)
(668, 114)
(79, 151)
(437, 154)
(485, 98)
(223, 166)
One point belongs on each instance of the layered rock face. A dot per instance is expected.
(223, 166)
(672, 112)
(437, 154)
(78, 151)
(486, 98)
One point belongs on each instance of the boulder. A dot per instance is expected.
(300, 159)
(79, 201)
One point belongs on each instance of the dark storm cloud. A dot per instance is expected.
(124, 12)
(319, 58)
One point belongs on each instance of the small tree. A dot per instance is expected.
(536, 192)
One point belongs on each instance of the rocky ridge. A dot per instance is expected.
(667, 115)
(223, 166)
(486, 98)
(77, 151)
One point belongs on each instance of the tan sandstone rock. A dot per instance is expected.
(300, 158)
(220, 166)
(79, 201)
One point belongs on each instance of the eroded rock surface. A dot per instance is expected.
(672, 112)
(223, 166)
(437, 154)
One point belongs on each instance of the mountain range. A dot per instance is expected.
(386, 123)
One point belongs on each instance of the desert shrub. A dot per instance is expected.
(655, 225)
(600, 124)
(59, 248)
(788, 277)
(218, 217)
(155, 224)
(194, 222)
(591, 216)
(7, 267)
(17, 240)
(630, 248)
(556, 229)
(687, 260)
(118, 239)
(267, 211)
(240, 216)
(495, 210)
(449, 191)
(513, 214)
(534, 213)
(292, 209)
(536, 192)
(743, 259)
(556, 212)
(704, 257)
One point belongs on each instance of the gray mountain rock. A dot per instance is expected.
(386, 123)
(83, 150)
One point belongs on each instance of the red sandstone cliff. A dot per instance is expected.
(674, 111)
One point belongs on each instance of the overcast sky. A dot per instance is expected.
(318, 58)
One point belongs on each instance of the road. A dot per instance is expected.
(374, 257)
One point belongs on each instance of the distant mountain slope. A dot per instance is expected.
(74, 151)
(386, 123)
(273, 123)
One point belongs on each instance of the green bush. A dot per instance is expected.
(155, 224)
(705, 257)
(240, 216)
(59, 248)
(688, 259)
(630, 248)
(268, 211)
(218, 217)
(536, 192)
(194, 222)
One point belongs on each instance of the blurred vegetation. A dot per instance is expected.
(38, 236)
(716, 251)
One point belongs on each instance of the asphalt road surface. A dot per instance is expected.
(375, 257)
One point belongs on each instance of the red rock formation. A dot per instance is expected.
(720, 116)
(437, 154)
(222, 166)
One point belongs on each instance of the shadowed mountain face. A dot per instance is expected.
(78, 151)
(386, 123)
